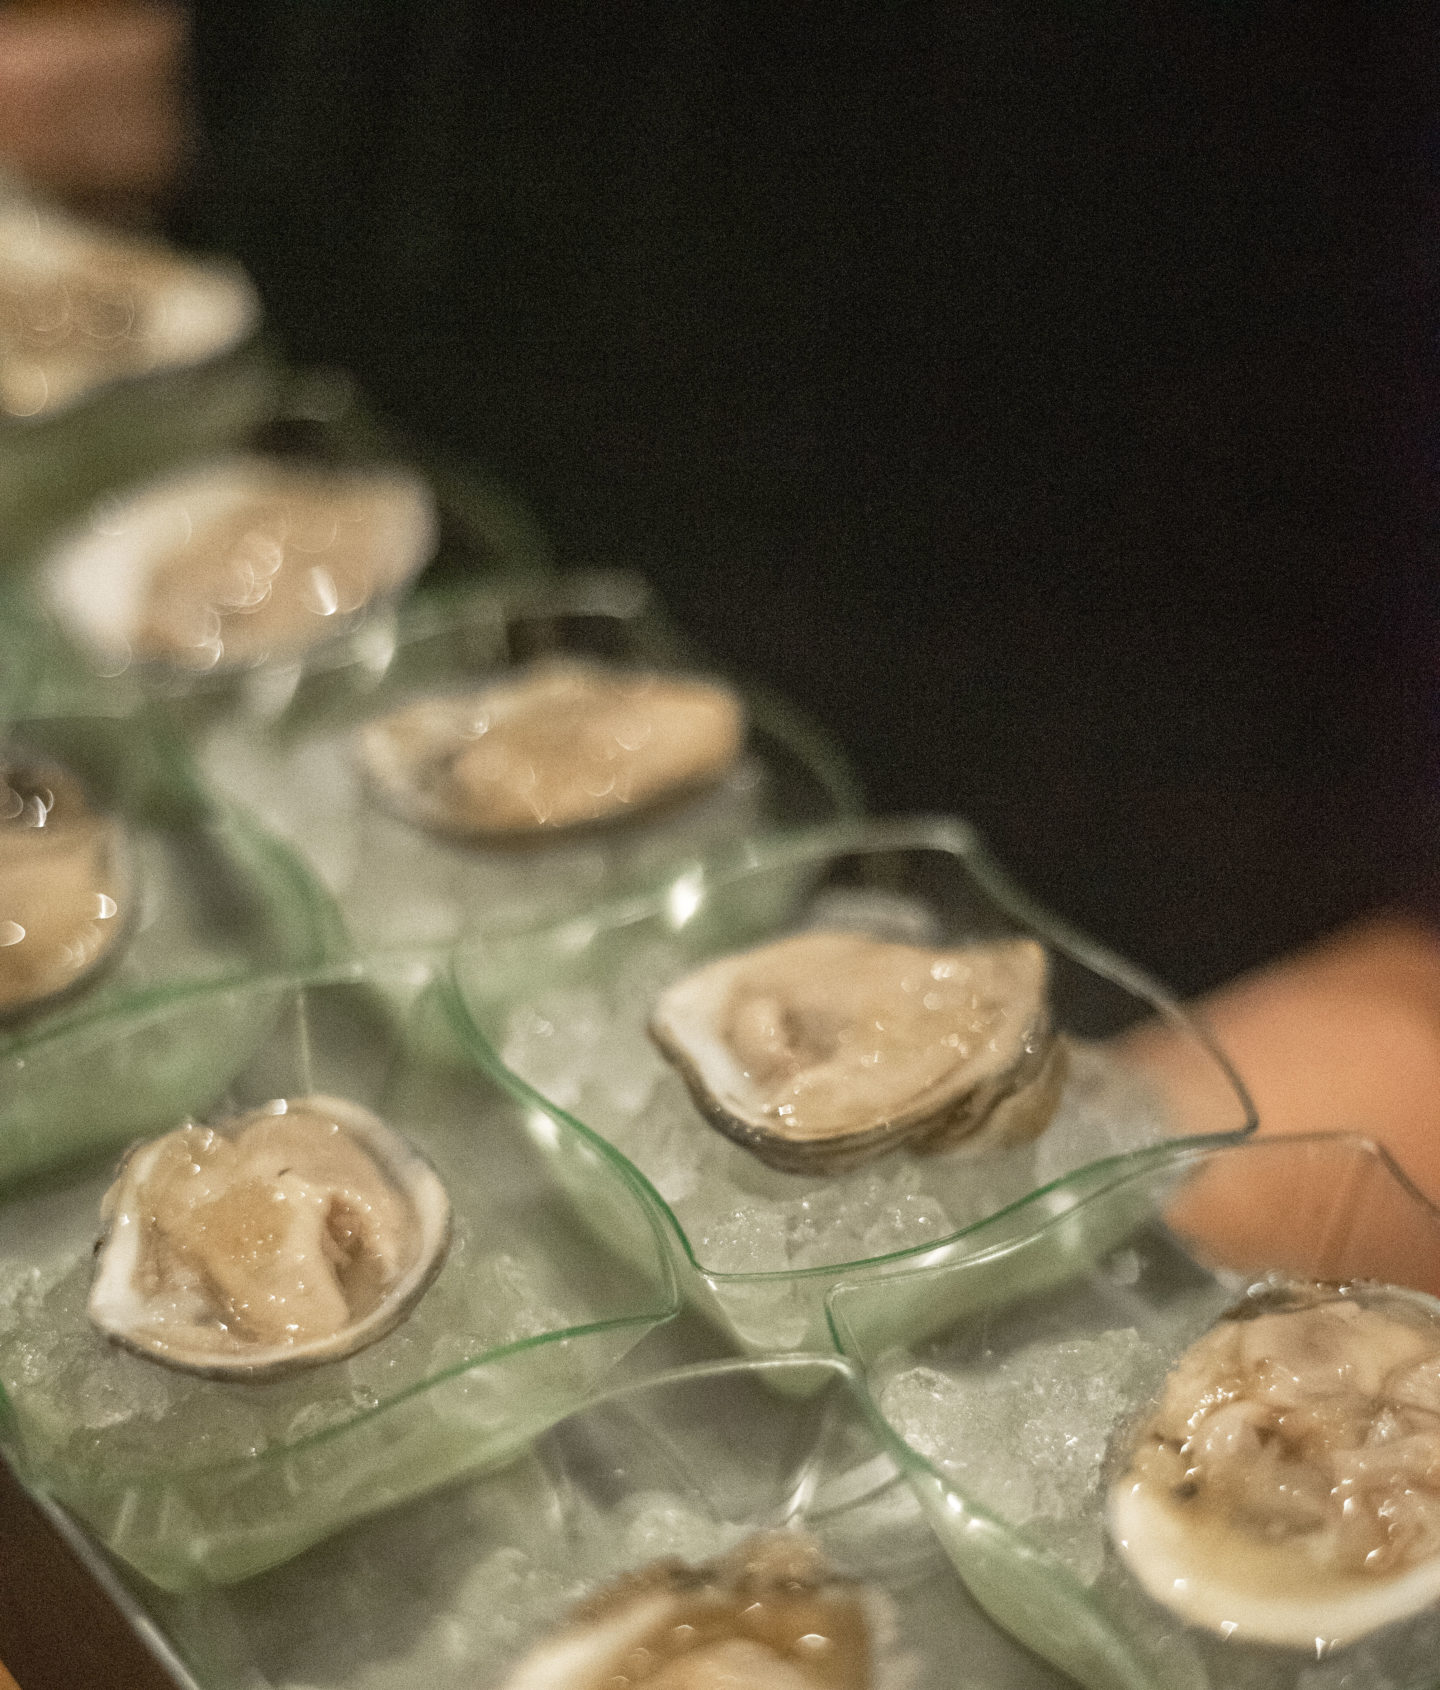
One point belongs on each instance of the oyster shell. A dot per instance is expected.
(562, 745)
(82, 307)
(66, 890)
(1287, 1488)
(243, 560)
(824, 1049)
(768, 1616)
(293, 1235)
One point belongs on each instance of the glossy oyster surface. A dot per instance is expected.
(81, 307)
(562, 745)
(768, 1616)
(1286, 1489)
(66, 887)
(823, 1049)
(294, 1235)
(241, 561)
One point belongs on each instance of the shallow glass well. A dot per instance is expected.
(191, 1480)
(289, 750)
(561, 1016)
(1014, 1379)
(451, 1592)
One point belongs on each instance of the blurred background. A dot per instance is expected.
(1043, 396)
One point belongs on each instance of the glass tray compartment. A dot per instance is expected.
(560, 1016)
(449, 1592)
(192, 1480)
(1010, 1375)
(289, 751)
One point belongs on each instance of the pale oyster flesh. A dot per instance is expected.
(81, 307)
(241, 561)
(293, 1235)
(1286, 1490)
(562, 745)
(65, 884)
(823, 1049)
(768, 1616)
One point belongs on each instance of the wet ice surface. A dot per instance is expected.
(1027, 1438)
(1030, 1434)
(399, 884)
(95, 1407)
(587, 1050)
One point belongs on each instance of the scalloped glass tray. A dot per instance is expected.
(192, 1480)
(288, 751)
(1006, 1376)
(449, 1592)
(560, 1016)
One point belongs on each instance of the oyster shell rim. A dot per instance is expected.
(1211, 1602)
(212, 281)
(402, 801)
(616, 1614)
(397, 1158)
(1019, 1100)
(77, 559)
(21, 1018)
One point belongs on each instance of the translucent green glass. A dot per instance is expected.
(288, 749)
(191, 1480)
(150, 1036)
(53, 468)
(1011, 1372)
(450, 1592)
(559, 1014)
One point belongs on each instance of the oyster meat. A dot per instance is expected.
(1286, 1490)
(66, 895)
(824, 1049)
(768, 1616)
(245, 560)
(293, 1235)
(562, 745)
(81, 307)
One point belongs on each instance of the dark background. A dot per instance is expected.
(1040, 394)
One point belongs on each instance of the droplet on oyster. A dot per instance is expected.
(66, 892)
(81, 307)
(768, 1616)
(293, 1235)
(562, 745)
(822, 1050)
(244, 560)
(1287, 1488)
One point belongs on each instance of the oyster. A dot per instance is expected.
(290, 1236)
(824, 1049)
(768, 1616)
(562, 745)
(1287, 1488)
(81, 307)
(241, 561)
(66, 896)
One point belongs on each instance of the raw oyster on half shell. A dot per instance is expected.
(81, 307)
(562, 745)
(244, 560)
(66, 886)
(1286, 1490)
(293, 1235)
(824, 1049)
(769, 1616)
